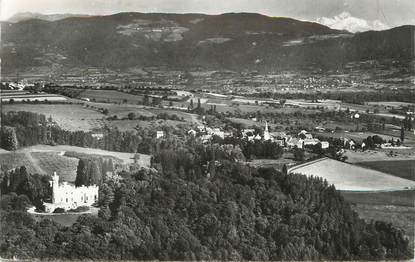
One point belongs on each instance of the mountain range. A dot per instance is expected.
(19, 17)
(235, 41)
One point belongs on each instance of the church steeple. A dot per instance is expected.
(266, 132)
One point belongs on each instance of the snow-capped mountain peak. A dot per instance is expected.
(345, 21)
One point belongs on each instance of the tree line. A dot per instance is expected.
(237, 213)
(21, 129)
(196, 202)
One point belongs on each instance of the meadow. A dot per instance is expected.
(379, 155)
(393, 198)
(390, 104)
(51, 162)
(126, 158)
(43, 159)
(71, 117)
(348, 177)
(10, 160)
(392, 207)
(44, 163)
(400, 168)
(111, 96)
(19, 96)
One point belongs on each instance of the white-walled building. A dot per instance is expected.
(192, 132)
(293, 141)
(67, 196)
(310, 141)
(305, 134)
(324, 144)
(159, 134)
(267, 135)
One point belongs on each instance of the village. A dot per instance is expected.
(226, 131)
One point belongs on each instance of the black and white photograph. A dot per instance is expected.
(207, 130)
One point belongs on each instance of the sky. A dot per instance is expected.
(359, 15)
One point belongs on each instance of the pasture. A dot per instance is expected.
(51, 162)
(23, 96)
(348, 177)
(44, 163)
(71, 117)
(400, 168)
(126, 158)
(111, 96)
(393, 104)
(274, 163)
(378, 155)
(128, 125)
(392, 207)
(123, 110)
(393, 198)
(124, 124)
(357, 136)
(43, 159)
(10, 160)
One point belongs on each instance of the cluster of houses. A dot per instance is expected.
(303, 138)
(207, 133)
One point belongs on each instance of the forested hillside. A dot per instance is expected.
(239, 213)
(196, 202)
(236, 41)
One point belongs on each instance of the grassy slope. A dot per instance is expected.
(71, 117)
(393, 207)
(396, 198)
(400, 168)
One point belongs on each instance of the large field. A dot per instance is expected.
(19, 96)
(44, 159)
(76, 117)
(126, 158)
(393, 207)
(379, 155)
(112, 96)
(350, 177)
(68, 116)
(393, 198)
(10, 160)
(44, 163)
(128, 125)
(390, 104)
(122, 110)
(400, 168)
(51, 162)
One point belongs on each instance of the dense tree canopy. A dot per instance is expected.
(196, 201)
(224, 210)
(8, 138)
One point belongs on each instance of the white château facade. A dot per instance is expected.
(67, 196)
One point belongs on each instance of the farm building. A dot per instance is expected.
(305, 134)
(324, 144)
(192, 132)
(159, 134)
